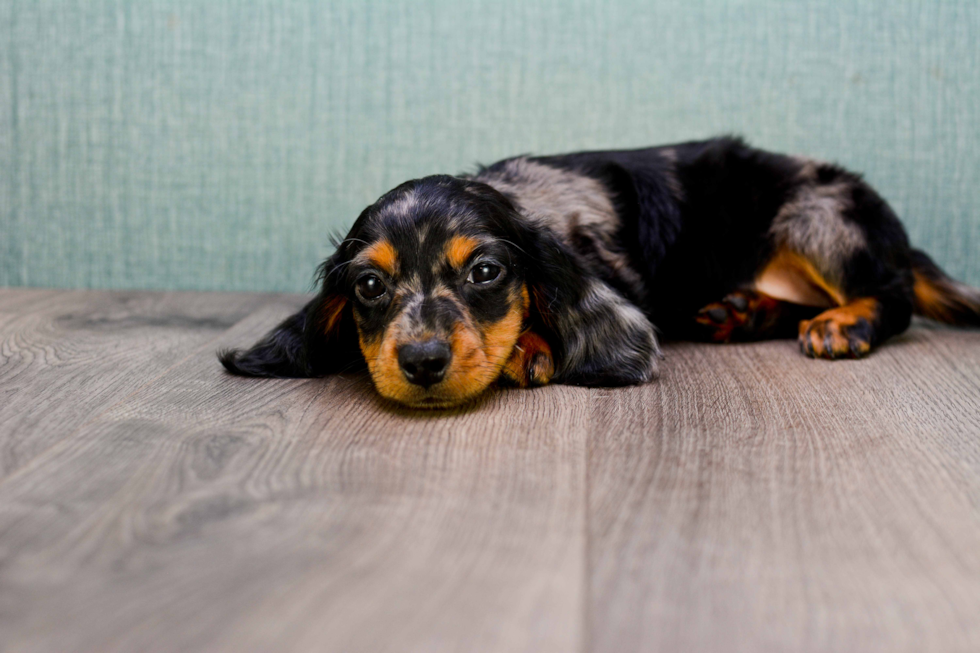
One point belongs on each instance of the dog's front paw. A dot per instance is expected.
(530, 364)
(827, 336)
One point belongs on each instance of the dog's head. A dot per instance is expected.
(434, 286)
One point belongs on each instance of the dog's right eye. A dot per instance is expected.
(370, 287)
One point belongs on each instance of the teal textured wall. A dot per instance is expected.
(214, 144)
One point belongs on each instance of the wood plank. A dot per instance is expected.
(65, 356)
(750, 500)
(210, 512)
(754, 500)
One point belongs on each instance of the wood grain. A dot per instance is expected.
(210, 512)
(755, 500)
(751, 500)
(66, 355)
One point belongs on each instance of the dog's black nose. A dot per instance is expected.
(425, 363)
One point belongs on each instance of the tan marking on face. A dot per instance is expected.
(369, 348)
(382, 360)
(478, 358)
(792, 278)
(381, 353)
(459, 249)
(383, 256)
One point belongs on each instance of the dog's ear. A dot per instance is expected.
(597, 335)
(320, 339)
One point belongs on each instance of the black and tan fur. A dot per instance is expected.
(554, 270)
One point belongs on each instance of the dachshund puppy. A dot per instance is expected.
(555, 269)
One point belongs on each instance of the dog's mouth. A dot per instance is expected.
(438, 396)
(435, 402)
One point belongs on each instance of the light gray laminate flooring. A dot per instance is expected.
(749, 500)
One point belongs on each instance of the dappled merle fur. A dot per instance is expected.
(608, 243)
(596, 335)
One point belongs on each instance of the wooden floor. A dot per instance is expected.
(750, 500)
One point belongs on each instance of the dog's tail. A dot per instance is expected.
(940, 297)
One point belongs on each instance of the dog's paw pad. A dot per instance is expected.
(717, 314)
(738, 301)
(832, 339)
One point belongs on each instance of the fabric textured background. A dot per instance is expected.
(214, 145)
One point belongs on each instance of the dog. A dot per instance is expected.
(555, 269)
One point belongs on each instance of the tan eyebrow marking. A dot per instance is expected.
(383, 256)
(459, 249)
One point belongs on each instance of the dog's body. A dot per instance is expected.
(555, 269)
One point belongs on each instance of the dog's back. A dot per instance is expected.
(679, 228)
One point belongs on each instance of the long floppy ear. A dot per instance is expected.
(598, 336)
(318, 340)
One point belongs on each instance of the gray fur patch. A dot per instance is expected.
(401, 206)
(410, 320)
(808, 168)
(605, 330)
(812, 223)
(604, 334)
(673, 183)
(555, 197)
(575, 207)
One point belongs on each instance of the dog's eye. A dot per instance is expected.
(483, 273)
(370, 287)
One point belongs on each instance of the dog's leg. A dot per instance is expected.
(530, 364)
(747, 315)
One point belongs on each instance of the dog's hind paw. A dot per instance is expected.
(837, 333)
(741, 315)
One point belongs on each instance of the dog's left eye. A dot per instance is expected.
(483, 273)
